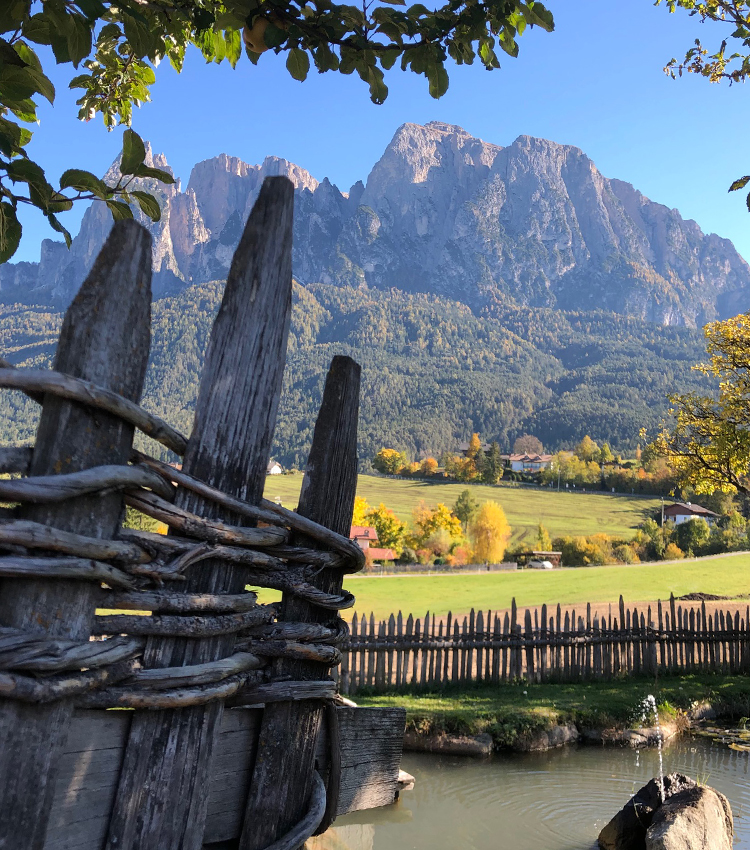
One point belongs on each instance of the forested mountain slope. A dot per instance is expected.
(433, 370)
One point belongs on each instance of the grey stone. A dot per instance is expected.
(549, 739)
(697, 818)
(457, 745)
(627, 829)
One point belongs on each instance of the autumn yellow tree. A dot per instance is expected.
(708, 445)
(475, 446)
(389, 461)
(388, 526)
(429, 466)
(490, 533)
(427, 520)
(587, 450)
(359, 517)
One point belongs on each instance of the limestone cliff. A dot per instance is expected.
(533, 223)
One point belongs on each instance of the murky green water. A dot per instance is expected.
(547, 801)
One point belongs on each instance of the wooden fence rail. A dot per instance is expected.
(546, 646)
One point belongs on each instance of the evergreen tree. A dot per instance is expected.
(465, 508)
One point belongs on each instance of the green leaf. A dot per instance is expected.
(297, 63)
(55, 224)
(24, 109)
(274, 36)
(119, 210)
(233, 46)
(17, 83)
(26, 171)
(43, 84)
(133, 152)
(27, 55)
(37, 29)
(154, 174)
(93, 9)
(78, 37)
(747, 201)
(438, 81)
(395, 2)
(148, 204)
(535, 13)
(59, 203)
(10, 232)
(739, 184)
(84, 181)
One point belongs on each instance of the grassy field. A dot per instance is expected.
(561, 513)
(727, 575)
(510, 711)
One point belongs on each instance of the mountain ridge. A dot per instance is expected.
(533, 224)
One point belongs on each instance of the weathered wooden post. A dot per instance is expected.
(105, 338)
(162, 797)
(284, 766)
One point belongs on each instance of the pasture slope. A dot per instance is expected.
(561, 513)
(721, 575)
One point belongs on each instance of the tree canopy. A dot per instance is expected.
(116, 47)
(729, 61)
(709, 443)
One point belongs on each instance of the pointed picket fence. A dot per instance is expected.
(544, 646)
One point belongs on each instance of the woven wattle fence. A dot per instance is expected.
(207, 642)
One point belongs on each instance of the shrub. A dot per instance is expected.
(673, 553)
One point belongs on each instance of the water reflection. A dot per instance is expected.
(544, 801)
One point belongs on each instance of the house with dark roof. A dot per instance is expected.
(683, 511)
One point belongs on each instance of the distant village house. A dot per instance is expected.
(365, 536)
(273, 468)
(683, 511)
(527, 463)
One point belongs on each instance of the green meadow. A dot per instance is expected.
(561, 513)
(723, 575)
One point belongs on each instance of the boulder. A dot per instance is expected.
(455, 745)
(627, 829)
(549, 739)
(697, 818)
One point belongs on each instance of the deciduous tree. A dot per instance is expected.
(708, 444)
(359, 517)
(587, 450)
(389, 461)
(490, 533)
(388, 526)
(427, 520)
(528, 444)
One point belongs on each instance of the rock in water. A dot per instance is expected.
(627, 829)
(695, 819)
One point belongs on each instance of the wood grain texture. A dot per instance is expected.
(162, 800)
(283, 776)
(90, 765)
(105, 339)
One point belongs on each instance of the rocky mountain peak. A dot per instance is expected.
(533, 223)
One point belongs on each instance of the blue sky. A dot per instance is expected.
(596, 82)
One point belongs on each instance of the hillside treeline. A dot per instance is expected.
(433, 371)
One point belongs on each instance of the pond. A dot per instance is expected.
(547, 801)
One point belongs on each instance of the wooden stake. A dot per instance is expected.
(105, 338)
(284, 766)
(163, 792)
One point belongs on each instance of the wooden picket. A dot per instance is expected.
(542, 646)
